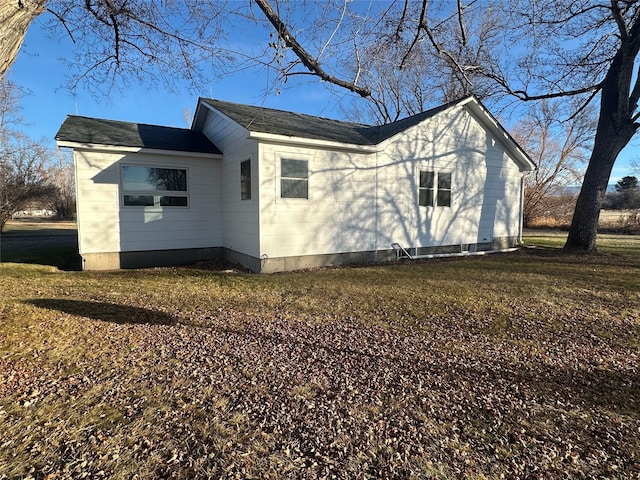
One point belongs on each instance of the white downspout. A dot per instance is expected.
(521, 218)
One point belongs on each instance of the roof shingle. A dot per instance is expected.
(97, 131)
(281, 122)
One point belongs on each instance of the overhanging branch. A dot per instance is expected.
(307, 60)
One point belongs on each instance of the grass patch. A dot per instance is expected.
(41, 242)
(515, 365)
(38, 227)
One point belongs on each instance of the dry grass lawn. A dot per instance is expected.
(520, 365)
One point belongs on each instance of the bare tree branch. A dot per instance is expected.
(617, 16)
(422, 22)
(304, 56)
(63, 22)
(463, 35)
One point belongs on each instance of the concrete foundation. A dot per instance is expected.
(145, 259)
(162, 258)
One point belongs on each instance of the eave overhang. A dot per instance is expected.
(314, 143)
(124, 149)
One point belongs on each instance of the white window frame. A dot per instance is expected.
(292, 155)
(435, 189)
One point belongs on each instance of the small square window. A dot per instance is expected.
(434, 189)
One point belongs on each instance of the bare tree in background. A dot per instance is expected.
(62, 198)
(589, 51)
(560, 150)
(23, 162)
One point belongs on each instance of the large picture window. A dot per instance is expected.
(154, 186)
(294, 178)
(434, 189)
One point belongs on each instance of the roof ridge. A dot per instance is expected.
(294, 124)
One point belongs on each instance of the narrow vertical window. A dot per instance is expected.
(294, 178)
(245, 180)
(425, 190)
(444, 190)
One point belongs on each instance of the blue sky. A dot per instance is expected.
(40, 72)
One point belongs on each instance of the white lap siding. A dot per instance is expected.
(106, 225)
(239, 217)
(485, 185)
(338, 216)
(367, 201)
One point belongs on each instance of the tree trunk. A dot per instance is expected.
(584, 226)
(611, 137)
(15, 18)
(616, 127)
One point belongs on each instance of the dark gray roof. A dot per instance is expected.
(280, 122)
(111, 132)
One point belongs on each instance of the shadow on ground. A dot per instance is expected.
(60, 251)
(106, 312)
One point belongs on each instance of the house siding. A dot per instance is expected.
(240, 218)
(366, 202)
(106, 226)
(485, 201)
(337, 217)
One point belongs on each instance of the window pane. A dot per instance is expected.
(245, 180)
(167, 201)
(294, 168)
(426, 197)
(444, 181)
(444, 198)
(294, 188)
(138, 200)
(139, 178)
(426, 179)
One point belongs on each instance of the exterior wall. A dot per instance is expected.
(486, 186)
(338, 216)
(106, 227)
(365, 202)
(360, 203)
(240, 218)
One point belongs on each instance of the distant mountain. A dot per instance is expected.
(575, 190)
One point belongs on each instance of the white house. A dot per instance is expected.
(275, 190)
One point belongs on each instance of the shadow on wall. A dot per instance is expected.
(483, 203)
(106, 312)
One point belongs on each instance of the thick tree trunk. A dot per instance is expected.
(584, 226)
(616, 127)
(15, 18)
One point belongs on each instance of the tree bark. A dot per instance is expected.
(584, 226)
(15, 18)
(615, 129)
